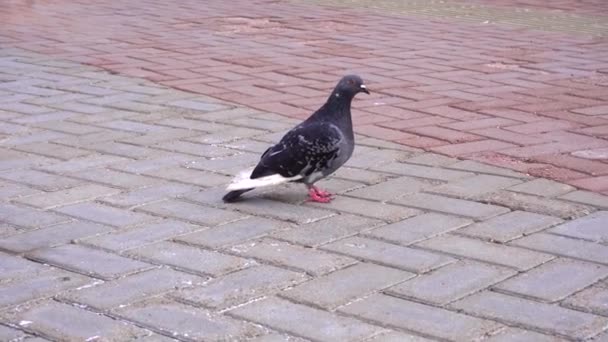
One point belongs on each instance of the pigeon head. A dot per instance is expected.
(350, 86)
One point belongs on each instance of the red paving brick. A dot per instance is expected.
(509, 96)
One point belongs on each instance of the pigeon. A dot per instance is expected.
(311, 151)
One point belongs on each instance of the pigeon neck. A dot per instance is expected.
(338, 102)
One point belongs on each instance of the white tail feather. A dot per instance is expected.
(243, 181)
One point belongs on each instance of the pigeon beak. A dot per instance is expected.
(364, 89)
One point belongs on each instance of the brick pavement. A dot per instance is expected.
(112, 229)
(520, 84)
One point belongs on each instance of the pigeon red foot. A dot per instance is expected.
(317, 195)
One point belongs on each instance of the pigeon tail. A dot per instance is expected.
(243, 181)
(234, 195)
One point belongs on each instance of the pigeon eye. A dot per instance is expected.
(351, 82)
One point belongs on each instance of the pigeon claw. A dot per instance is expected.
(320, 196)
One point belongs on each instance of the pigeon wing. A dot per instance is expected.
(303, 150)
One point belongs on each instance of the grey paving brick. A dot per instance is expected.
(233, 233)
(68, 323)
(247, 145)
(345, 285)
(190, 258)
(540, 205)
(159, 137)
(361, 176)
(484, 251)
(451, 282)
(422, 171)
(227, 135)
(53, 150)
(40, 180)
(199, 106)
(473, 166)
(239, 287)
(194, 123)
(13, 267)
(591, 227)
(542, 187)
(141, 235)
(187, 322)
(510, 226)
(471, 187)
(10, 190)
(94, 138)
(409, 259)
(545, 317)
(587, 197)
(420, 318)
(52, 236)
(275, 337)
(288, 212)
(393, 336)
(208, 151)
(28, 218)
(593, 299)
(382, 211)
(191, 176)
(10, 334)
(432, 159)
(327, 230)
(124, 291)
(418, 228)
(83, 163)
(191, 212)
(121, 150)
(564, 246)
(131, 126)
(116, 178)
(452, 206)
(311, 261)
(33, 136)
(378, 159)
(554, 280)
(88, 261)
(305, 321)
(146, 195)
(161, 161)
(518, 335)
(64, 197)
(105, 215)
(43, 283)
(390, 189)
(230, 165)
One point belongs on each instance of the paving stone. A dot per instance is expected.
(158, 137)
(518, 335)
(83, 163)
(142, 235)
(27, 217)
(390, 189)
(305, 321)
(379, 159)
(432, 159)
(555, 279)
(327, 230)
(247, 145)
(121, 150)
(88, 261)
(540, 205)
(43, 283)
(227, 136)
(418, 228)
(242, 286)
(420, 318)
(68, 323)
(587, 197)
(409, 259)
(542, 187)
(591, 227)
(64, 197)
(474, 186)
(199, 106)
(105, 215)
(452, 206)
(41, 180)
(535, 315)
(487, 252)
(9, 191)
(510, 226)
(52, 236)
(593, 299)
(394, 336)
(191, 176)
(116, 179)
(231, 165)
(189, 258)
(451, 282)
(422, 171)
(293, 213)
(10, 334)
(564, 246)
(345, 285)
(361, 176)
(13, 267)
(233, 233)
(149, 194)
(124, 291)
(312, 261)
(278, 338)
(191, 212)
(382, 211)
(148, 165)
(473, 166)
(208, 151)
(53, 150)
